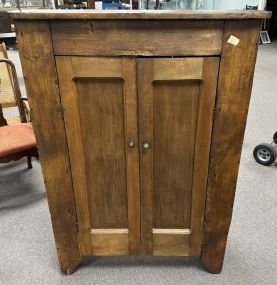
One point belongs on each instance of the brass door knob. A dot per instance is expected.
(146, 145)
(131, 144)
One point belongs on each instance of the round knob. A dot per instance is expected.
(146, 145)
(131, 144)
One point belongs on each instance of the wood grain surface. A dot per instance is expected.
(233, 95)
(145, 37)
(174, 197)
(99, 98)
(101, 109)
(40, 76)
(150, 14)
(175, 118)
(110, 244)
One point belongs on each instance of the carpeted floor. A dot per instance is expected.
(27, 249)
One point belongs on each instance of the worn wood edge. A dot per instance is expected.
(69, 256)
(221, 225)
(172, 231)
(140, 14)
(208, 88)
(78, 173)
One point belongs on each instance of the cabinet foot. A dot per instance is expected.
(212, 266)
(68, 269)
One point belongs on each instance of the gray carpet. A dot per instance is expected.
(27, 251)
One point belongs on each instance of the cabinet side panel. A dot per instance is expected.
(233, 95)
(36, 54)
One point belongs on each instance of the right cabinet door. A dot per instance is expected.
(176, 102)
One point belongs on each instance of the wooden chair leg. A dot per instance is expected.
(29, 161)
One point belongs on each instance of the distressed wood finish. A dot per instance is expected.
(173, 196)
(101, 115)
(175, 113)
(233, 95)
(171, 244)
(149, 38)
(107, 244)
(139, 15)
(99, 99)
(42, 88)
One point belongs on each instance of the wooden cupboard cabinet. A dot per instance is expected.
(139, 118)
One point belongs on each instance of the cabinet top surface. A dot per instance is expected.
(139, 14)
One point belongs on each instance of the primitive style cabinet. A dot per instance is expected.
(139, 119)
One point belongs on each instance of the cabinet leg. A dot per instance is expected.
(214, 242)
(66, 239)
(68, 253)
(213, 265)
(70, 266)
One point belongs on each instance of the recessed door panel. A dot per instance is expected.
(175, 105)
(101, 109)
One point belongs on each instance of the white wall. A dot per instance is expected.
(234, 4)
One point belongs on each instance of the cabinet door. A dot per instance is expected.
(176, 101)
(99, 97)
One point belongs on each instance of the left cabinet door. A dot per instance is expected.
(99, 98)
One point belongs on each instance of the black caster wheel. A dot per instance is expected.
(265, 154)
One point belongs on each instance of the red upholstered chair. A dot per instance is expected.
(17, 139)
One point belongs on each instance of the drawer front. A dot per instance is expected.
(137, 38)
